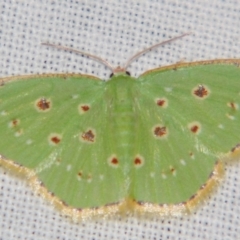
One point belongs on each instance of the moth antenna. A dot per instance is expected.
(99, 59)
(137, 55)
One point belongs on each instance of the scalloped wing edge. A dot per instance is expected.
(127, 205)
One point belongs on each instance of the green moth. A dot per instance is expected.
(155, 144)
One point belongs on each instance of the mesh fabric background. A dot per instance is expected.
(115, 30)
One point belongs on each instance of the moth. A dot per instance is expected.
(153, 144)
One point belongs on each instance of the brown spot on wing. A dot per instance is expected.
(137, 161)
(233, 105)
(201, 91)
(14, 122)
(85, 108)
(88, 136)
(114, 161)
(161, 102)
(43, 104)
(194, 128)
(55, 140)
(160, 131)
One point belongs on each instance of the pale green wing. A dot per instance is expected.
(58, 127)
(188, 119)
(159, 140)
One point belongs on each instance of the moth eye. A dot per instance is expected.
(111, 75)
